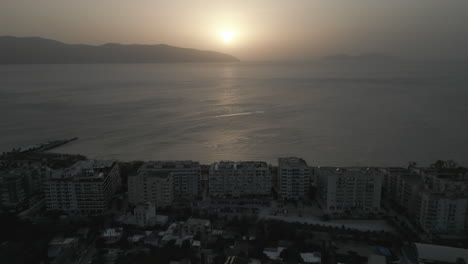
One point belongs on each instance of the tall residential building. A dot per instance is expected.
(156, 187)
(402, 186)
(349, 189)
(229, 178)
(85, 188)
(294, 178)
(186, 176)
(443, 203)
(21, 183)
(144, 212)
(441, 213)
(446, 180)
(12, 192)
(34, 175)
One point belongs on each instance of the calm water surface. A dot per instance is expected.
(329, 114)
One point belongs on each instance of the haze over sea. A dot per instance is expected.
(328, 113)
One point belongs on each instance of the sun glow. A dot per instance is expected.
(227, 36)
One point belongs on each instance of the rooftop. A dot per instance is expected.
(85, 169)
(198, 221)
(435, 253)
(376, 259)
(112, 232)
(349, 171)
(170, 165)
(292, 162)
(158, 174)
(313, 257)
(228, 165)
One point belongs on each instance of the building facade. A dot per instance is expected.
(442, 206)
(237, 179)
(441, 213)
(402, 186)
(156, 187)
(294, 178)
(186, 176)
(12, 191)
(144, 212)
(349, 189)
(86, 188)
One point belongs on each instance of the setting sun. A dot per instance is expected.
(227, 36)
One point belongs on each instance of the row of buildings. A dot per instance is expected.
(21, 184)
(162, 182)
(436, 199)
(85, 188)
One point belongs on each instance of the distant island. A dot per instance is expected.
(35, 50)
(365, 57)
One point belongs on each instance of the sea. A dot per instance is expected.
(329, 113)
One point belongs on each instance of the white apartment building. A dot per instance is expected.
(186, 176)
(447, 181)
(12, 193)
(435, 199)
(144, 213)
(349, 189)
(294, 178)
(403, 186)
(228, 178)
(442, 213)
(85, 188)
(156, 187)
(443, 203)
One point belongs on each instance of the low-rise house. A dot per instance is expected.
(376, 259)
(236, 260)
(273, 253)
(193, 226)
(144, 213)
(112, 235)
(62, 250)
(418, 253)
(311, 257)
(112, 255)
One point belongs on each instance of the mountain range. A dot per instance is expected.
(360, 58)
(35, 50)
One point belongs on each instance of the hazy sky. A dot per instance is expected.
(262, 29)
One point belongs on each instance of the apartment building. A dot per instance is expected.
(294, 178)
(144, 213)
(12, 191)
(445, 180)
(440, 213)
(228, 178)
(186, 176)
(85, 188)
(349, 189)
(402, 186)
(156, 187)
(443, 203)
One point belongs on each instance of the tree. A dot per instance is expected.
(444, 164)
(412, 164)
